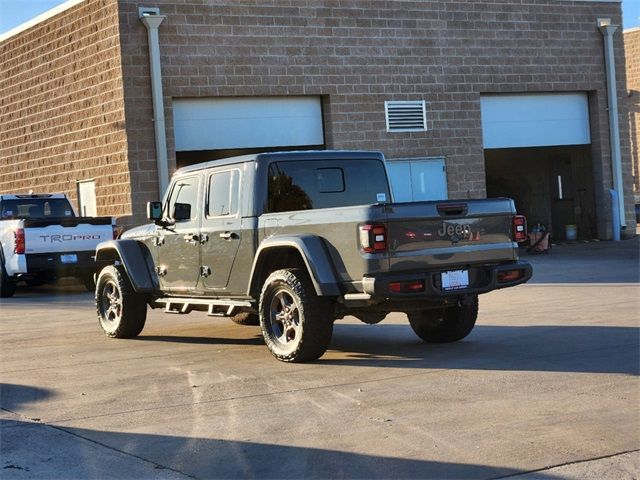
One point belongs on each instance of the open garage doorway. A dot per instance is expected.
(552, 186)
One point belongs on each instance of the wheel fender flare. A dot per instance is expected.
(314, 254)
(134, 258)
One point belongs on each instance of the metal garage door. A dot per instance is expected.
(535, 120)
(246, 122)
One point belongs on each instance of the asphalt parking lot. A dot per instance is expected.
(545, 387)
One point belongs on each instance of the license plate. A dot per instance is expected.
(455, 279)
(70, 258)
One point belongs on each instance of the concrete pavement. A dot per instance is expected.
(545, 387)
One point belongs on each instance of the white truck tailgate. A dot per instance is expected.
(58, 238)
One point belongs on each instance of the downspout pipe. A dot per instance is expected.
(151, 19)
(607, 30)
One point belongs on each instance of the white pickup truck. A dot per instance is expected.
(42, 239)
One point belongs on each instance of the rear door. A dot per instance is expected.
(221, 227)
(428, 235)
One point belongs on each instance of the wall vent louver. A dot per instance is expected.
(406, 116)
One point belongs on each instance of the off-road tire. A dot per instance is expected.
(121, 311)
(88, 282)
(246, 318)
(7, 286)
(446, 324)
(296, 323)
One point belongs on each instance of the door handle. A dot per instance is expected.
(227, 235)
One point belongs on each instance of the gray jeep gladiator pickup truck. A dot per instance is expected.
(296, 240)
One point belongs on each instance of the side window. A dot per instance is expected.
(223, 193)
(311, 184)
(185, 190)
(330, 180)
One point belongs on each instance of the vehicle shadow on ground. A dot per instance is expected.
(62, 291)
(527, 348)
(52, 451)
(257, 340)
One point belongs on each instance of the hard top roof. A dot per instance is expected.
(283, 156)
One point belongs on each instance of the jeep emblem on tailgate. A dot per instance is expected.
(457, 229)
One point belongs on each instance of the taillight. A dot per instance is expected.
(19, 245)
(117, 231)
(510, 275)
(519, 228)
(373, 238)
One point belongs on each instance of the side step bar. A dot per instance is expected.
(186, 305)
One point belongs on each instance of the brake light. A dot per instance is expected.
(519, 228)
(19, 244)
(373, 238)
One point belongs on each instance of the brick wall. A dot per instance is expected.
(62, 108)
(632, 57)
(359, 54)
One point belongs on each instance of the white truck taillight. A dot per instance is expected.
(373, 238)
(519, 228)
(19, 244)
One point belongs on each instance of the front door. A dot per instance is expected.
(179, 244)
(220, 229)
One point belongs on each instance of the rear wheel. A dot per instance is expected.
(296, 323)
(246, 318)
(121, 311)
(445, 325)
(7, 286)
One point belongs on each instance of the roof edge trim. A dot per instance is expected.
(40, 18)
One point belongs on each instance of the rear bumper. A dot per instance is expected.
(57, 265)
(482, 279)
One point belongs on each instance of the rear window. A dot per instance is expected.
(313, 184)
(35, 208)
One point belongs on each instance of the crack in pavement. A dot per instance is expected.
(575, 462)
(95, 442)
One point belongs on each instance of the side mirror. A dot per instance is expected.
(154, 211)
(181, 211)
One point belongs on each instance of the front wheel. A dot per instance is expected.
(88, 282)
(448, 324)
(296, 323)
(121, 311)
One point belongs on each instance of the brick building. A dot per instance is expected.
(466, 98)
(632, 55)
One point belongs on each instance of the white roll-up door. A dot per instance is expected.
(246, 122)
(535, 120)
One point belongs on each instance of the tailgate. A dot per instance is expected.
(428, 235)
(66, 234)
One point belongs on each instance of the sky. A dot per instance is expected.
(16, 12)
